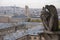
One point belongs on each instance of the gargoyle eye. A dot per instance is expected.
(47, 10)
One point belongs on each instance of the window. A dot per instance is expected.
(29, 37)
(34, 37)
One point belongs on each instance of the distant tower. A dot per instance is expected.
(27, 11)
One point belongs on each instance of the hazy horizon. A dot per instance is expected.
(30, 3)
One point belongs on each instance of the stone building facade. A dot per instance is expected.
(29, 37)
(3, 19)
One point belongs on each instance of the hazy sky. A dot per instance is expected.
(30, 3)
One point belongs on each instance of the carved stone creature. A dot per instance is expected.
(49, 18)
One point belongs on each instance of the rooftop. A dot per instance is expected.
(21, 33)
(6, 25)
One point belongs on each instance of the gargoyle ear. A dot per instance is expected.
(46, 6)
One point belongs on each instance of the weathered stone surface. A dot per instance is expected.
(49, 18)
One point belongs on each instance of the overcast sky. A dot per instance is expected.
(30, 3)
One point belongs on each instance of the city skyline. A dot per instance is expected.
(30, 3)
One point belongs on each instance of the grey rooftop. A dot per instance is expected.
(21, 33)
(6, 25)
